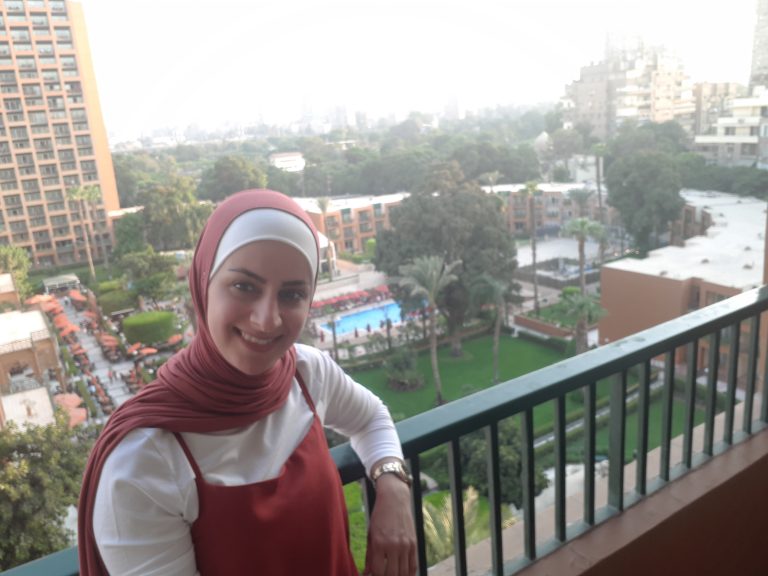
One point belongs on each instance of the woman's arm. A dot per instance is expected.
(140, 508)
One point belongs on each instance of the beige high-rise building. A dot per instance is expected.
(52, 135)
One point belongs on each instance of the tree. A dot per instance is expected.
(129, 235)
(531, 191)
(323, 204)
(581, 229)
(86, 195)
(228, 175)
(173, 217)
(645, 189)
(488, 289)
(453, 218)
(149, 274)
(14, 260)
(585, 309)
(474, 462)
(566, 143)
(426, 277)
(39, 481)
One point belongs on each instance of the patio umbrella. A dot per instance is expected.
(77, 295)
(108, 339)
(60, 320)
(37, 298)
(175, 339)
(69, 329)
(134, 347)
(148, 351)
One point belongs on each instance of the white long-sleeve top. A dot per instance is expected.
(146, 501)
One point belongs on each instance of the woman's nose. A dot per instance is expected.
(265, 314)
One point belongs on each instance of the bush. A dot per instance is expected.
(402, 370)
(149, 327)
(117, 300)
(108, 286)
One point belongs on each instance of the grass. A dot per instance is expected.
(460, 376)
(558, 314)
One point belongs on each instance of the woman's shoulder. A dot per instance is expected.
(311, 357)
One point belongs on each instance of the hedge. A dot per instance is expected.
(149, 327)
(117, 300)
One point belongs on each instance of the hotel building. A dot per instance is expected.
(52, 136)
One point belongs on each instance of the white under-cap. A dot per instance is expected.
(267, 224)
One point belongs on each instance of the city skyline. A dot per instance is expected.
(168, 63)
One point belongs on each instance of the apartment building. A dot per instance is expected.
(635, 82)
(740, 133)
(52, 135)
(725, 260)
(350, 221)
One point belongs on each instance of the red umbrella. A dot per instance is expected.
(147, 351)
(69, 329)
(77, 295)
(175, 339)
(134, 347)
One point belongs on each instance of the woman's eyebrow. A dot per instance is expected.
(248, 273)
(262, 280)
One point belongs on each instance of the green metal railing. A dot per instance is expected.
(663, 345)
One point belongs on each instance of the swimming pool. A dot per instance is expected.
(347, 323)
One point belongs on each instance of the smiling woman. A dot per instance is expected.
(228, 441)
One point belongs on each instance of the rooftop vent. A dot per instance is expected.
(747, 248)
(705, 260)
(748, 266)
(663, 273)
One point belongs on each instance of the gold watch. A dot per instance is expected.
(396, 467)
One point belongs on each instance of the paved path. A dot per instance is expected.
(116, 388)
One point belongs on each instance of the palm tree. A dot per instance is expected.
(86, 195)
(530, 191)
(426, 278)
(323, 204)
(583, 228)
(486, 288)
(585, 309)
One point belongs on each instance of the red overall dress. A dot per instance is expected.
(291, 525)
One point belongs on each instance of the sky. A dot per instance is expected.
(174, 63)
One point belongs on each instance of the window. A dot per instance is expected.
(38, 118)
(346, 215)
(25, 159)
(378, 210)
(20, 34)
(32, 197)
(45, 49)
(8, 174)
(67, 155)
(63, 34)
(53, 195)
(5, 50)
(30, 185)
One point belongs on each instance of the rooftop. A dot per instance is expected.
(16, 325)
(344, 202)
(729, 254)
(31, 407)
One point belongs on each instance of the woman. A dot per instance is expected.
(220, 466)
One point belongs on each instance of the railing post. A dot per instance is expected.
(616, 439)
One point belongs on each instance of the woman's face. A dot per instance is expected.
(258, 302)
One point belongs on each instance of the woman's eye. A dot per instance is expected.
(243, 286)
(292, 296)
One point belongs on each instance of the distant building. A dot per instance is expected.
(29, 352)
(759, 73)
(726, 260)
(741, 133)
(53, 137)
(635, 82)
(350, 221)
(288, 161)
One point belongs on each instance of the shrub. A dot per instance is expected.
(108, 286)
(402, 370)
(149, 327)
(117, 300)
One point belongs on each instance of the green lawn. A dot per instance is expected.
(460, 376)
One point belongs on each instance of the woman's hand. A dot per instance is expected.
(391, 535)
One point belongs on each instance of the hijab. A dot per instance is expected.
(196, 390)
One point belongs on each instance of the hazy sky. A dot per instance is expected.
(177, 62)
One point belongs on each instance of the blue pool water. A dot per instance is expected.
(347, 323)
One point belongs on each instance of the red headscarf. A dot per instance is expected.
(196, 390)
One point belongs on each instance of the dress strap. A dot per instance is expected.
(305, 392)
(188, 454)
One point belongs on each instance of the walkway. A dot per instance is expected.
(116, 388)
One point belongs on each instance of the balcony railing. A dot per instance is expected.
(686, 347)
